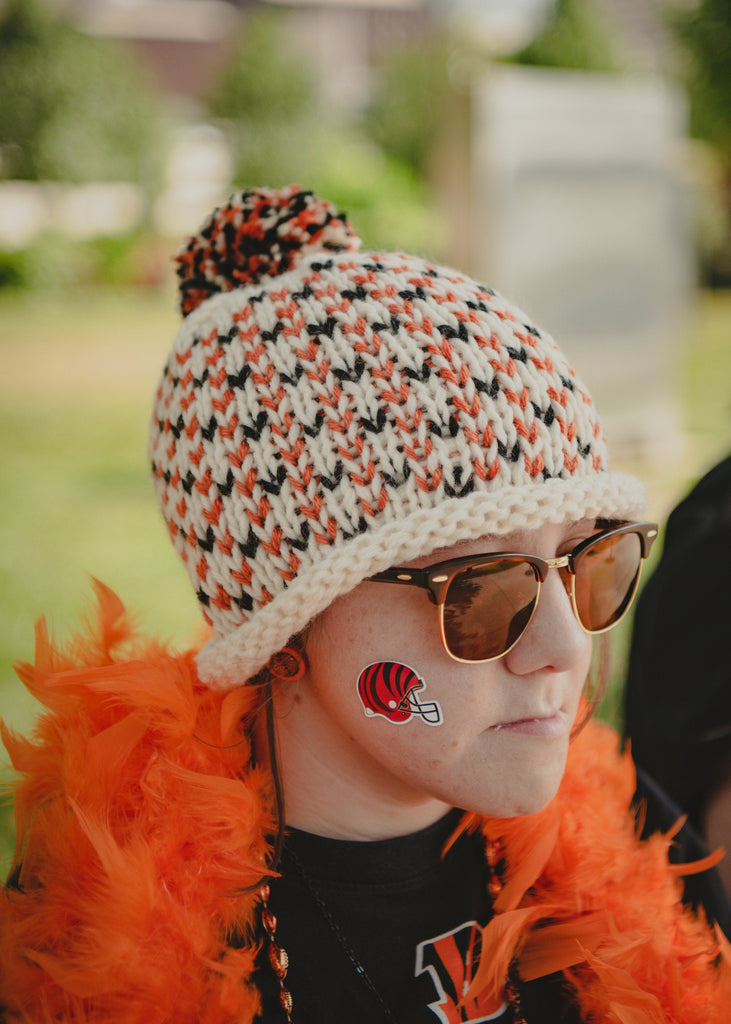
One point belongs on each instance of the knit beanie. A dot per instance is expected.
(327, 412)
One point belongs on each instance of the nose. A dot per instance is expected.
(554, 639)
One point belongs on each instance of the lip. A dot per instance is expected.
(549, 726)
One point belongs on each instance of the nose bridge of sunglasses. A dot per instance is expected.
(566, 574)
(558, 563)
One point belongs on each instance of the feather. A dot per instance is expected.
(557, 946)
(138, 841)
(500, 938)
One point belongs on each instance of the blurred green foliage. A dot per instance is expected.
(573, 37)
(262, 81)
(410, 101)
(72, 108)
(54, 262)
(266, 102)
(265, 99)
(387, 202)
(412, 95)
(704, 31)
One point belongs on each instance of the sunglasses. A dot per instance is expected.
(486, 602)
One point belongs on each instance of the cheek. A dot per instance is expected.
(373, 664)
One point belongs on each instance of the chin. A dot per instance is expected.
(532, 805)
(530, 797)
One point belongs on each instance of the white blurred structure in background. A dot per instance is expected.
(580, 213)
(565, 190)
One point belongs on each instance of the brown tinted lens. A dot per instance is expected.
(606, 578)
(487, 607)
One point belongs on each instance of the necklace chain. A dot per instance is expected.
(279, 959)
(338, 933)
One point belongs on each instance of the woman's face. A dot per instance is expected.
(499, 742)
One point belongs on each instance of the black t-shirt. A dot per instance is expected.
(387, 931)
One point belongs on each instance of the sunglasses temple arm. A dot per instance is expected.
(407, 577)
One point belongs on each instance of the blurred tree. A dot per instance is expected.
(573, 37)
(72, 108)
(388, 204)
(266, 98)
(410, 101)
(704, 31)
(267, 101)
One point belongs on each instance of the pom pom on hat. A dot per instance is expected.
(259, 233)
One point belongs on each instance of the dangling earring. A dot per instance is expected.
(288, 665)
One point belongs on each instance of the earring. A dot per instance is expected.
(288, 665)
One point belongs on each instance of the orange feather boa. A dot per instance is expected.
(142, 832)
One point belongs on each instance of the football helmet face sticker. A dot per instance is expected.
(389, 689)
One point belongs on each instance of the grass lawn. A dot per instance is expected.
(77, 382)
(78, 374)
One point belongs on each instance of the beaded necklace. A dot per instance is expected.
(278, 957)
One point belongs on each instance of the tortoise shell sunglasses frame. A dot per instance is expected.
(437, 580)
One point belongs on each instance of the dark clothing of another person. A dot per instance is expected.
(678, 703)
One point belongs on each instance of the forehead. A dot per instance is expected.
(543, 541)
